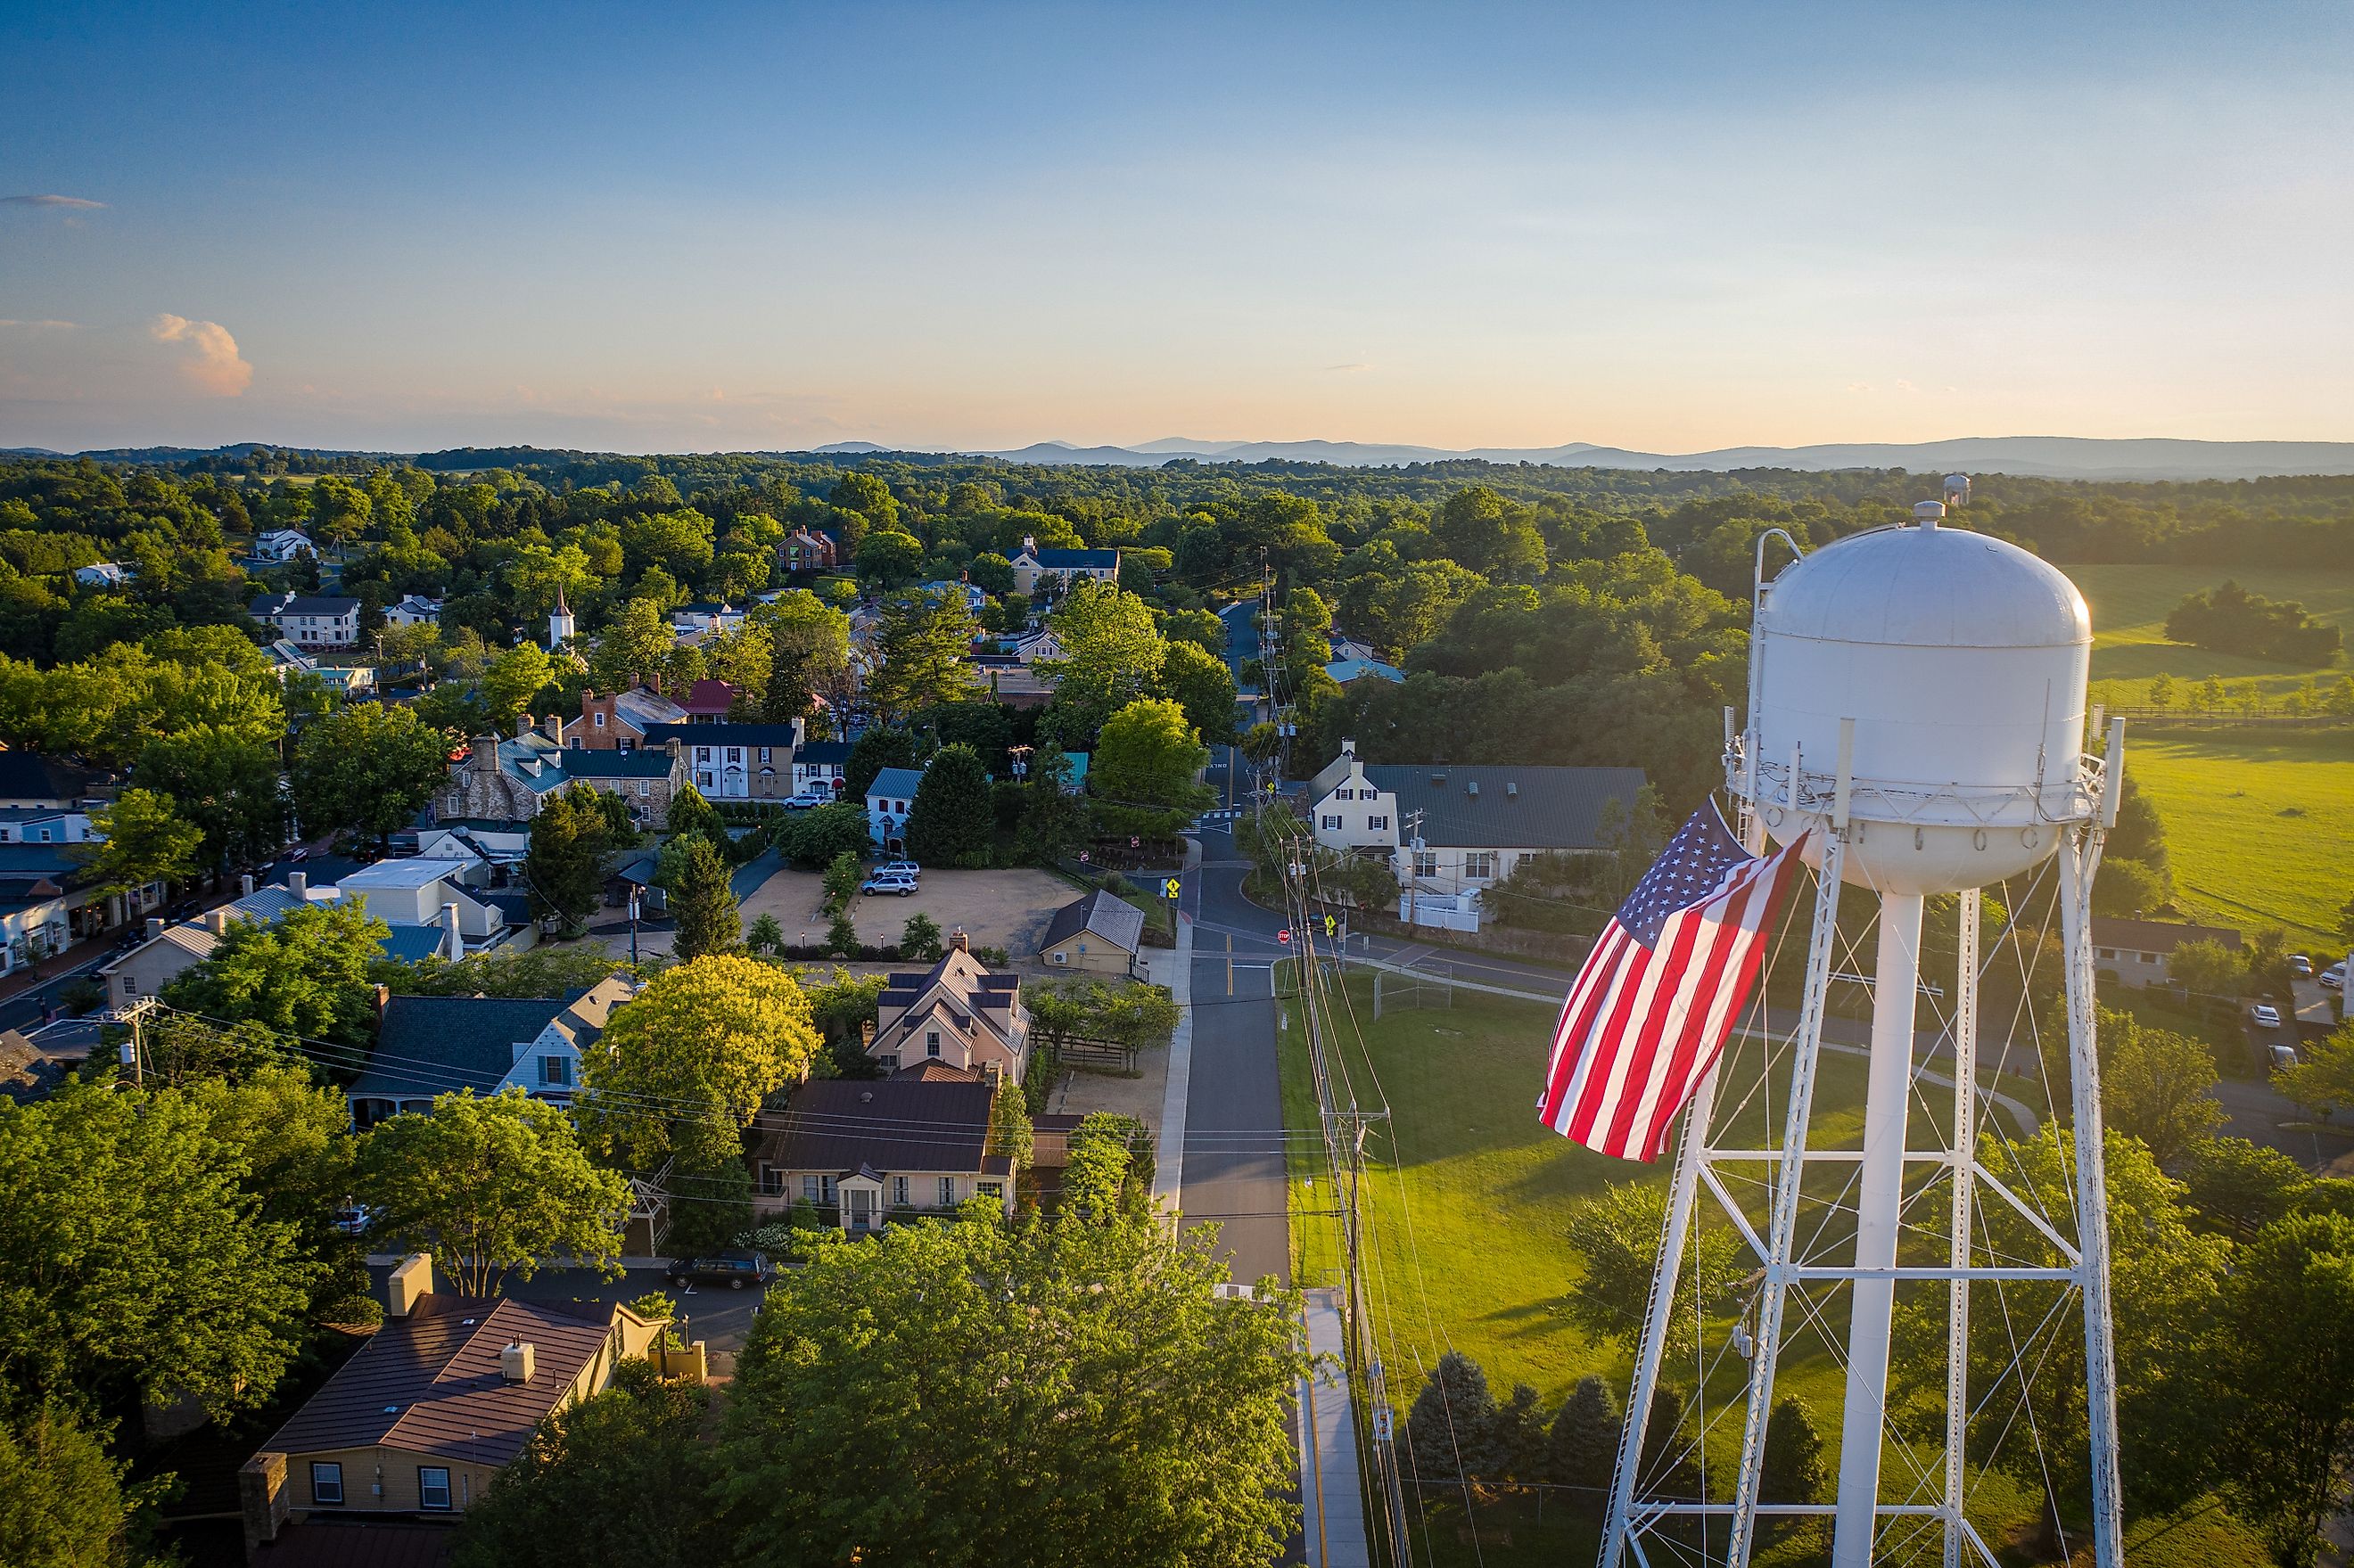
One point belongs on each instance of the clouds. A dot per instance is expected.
(82, 203)
(38, 326)
(208, 356)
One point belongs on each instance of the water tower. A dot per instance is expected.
(1917, 716)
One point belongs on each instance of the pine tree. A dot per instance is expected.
(1666, 1469)
(704, 905)
(1792, 1469)
(1583, 1446)
(565, 867)
(950, 820)
(1516, 1439)
(1450, 1420)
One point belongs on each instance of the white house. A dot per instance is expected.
(735, 761)
(1061, 568)
(105, 574)
(417, 894)
(820, 765)
(1349, 811)
(888, 800)
(310, 620)
(413, 611)
(282, 545)
(429, 1046)
(45, 825)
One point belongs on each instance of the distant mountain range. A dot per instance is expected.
(2050, 457)
(2046, 457)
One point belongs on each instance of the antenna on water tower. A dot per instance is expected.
(1917, 705)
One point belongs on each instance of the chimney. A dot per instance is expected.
(959, 941)
(217, 920)
(554, 725)
(516, 1362)
(245, 886)
(800, 733)
(155, 927)
(298, 883)
(263, 1499)
(407, 1285)
(483, 757)
(453, 943)
(525, 724)
(1348, 748)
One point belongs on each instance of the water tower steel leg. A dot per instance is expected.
(1789, 1177)
(1879, 1184)
(2080, 856)
(1964, 1194)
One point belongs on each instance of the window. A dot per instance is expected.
(772, 1181)
(326, 1482)
(825, 1185)
(890, 1059)
(931, 1041)
(645, 787)
(808, 1188)
(703, 754)
(432, 1487)
(573, 741)
(1377, 824)
(556, 1070)
(1479, 864)
(601, 720)
(735, 754)
(764, 753)
(947, 1192)
(1331, 822)
(898, 1192)
(1425, 862)
(992, 1189)
(1344, 794)
(130, 985)
(2108, 952)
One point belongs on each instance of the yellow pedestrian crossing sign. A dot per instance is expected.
(1170, 887)
(1331, 924)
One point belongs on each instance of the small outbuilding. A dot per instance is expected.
(1099, 934)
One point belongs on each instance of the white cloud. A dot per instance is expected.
(213, 362)
(38, 326)
(82, 202)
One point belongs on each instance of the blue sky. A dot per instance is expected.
(657, 228)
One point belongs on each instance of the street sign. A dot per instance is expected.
(1171, 888)
(1284, 936)
(1331, 924)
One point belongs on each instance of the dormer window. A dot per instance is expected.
(931, 1041)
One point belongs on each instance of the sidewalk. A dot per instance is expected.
(1332, 1496)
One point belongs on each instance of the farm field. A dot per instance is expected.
(2260, 824)
(2130, 605)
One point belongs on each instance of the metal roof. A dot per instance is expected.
(1099, 914)
(896, 783)
(652, 763)
(721, 734)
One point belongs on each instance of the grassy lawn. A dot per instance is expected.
(2260, 824)
(2130, 605)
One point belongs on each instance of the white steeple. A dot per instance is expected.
(559, 623)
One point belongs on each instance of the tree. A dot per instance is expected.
(2129, 887)
(1054, 820)
(950, 821)
(816, 838)
(146, 839)
(842, 875)
(889, 558)
(1491, 535)
(2323, 1080)
(919, 939)
(512, 679)
(624, 1480)
(870, 754)
(1112, 655)
(1617, 1234)
(62, 1500)
(1200, 683)
(636, 646)
(869, 497)
(922, 658)
(224, 783)
(1792, 1469)
(504, 971)
(133, 1260)
(808, 643)
(2239, 1187)
(1147, 756)
(704, 904)
(1098, 1354)
(492, 1186)
(767, 935)
(683, 1066)
(2289, 1373)
(1581, 1447)
(565, 866)
(1010, 1133)
(1446, 1429)
(366, 769)
(305, 975)
(2156, 1085)
(2207, 969)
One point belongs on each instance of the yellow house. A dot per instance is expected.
(1099, 934)
(417, 1424)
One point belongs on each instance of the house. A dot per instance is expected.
(45, 825)
(1038, 643)
(1349, 671)
(425, 897)
(1454, 830)
(735, 761)
(959, 1014)
(2136, 951)
(279, 546)
(310, 620)
(29, 779)
(1060, 568)
(421, 1419)
(413, 611)
(1099, 933)
(104, 575)
(618, 721)
(693, 623)
(349, 682)
(867, 1151)
(429, 1046)
(888, 800)
(820, 765)
(34, 922)
(973, 600)
(709, 702)
(285, 659)
(806, 551)
(503, 781)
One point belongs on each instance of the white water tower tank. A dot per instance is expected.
(1962, 659)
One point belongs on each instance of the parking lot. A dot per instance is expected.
(1005, 908)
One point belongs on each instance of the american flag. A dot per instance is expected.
(1659, 993)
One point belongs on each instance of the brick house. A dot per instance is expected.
(805, 550)
(618, 721)
(502, 781)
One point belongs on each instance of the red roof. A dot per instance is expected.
(710, 697)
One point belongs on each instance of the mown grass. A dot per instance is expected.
(2259, 823)
(2130, 605)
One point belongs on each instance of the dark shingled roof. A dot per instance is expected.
(644, 763)
(29, 775)
(302, 603)
(1067, 559)
(433, 1045)
(1114, 919)
(721, 734)
(828, 751)
(430, 1383)
(1507, 807)
(905, 1123)
(2155, 936)
(325, 1541)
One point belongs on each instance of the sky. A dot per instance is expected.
(700, 227)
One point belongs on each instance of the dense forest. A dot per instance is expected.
(1542, 614)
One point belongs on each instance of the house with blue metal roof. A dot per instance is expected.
(888, 800)
(1060, 568)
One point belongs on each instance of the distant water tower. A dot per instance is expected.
(1957, 491)
(1918, 713)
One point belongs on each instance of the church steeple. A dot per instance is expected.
(559, 623)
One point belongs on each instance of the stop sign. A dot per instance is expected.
(1284, 936)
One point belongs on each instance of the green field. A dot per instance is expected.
(2130, 605)
(2259, 823)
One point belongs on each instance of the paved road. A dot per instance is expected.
(1234, 1106)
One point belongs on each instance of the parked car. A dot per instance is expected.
(898, 886)
(2266, 1016)
(2284, 1058)
(2300, 966)
(2334, 977)
(807, 798)
(733, 1269)
(898, 868)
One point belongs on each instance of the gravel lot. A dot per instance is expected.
(1005, 909)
